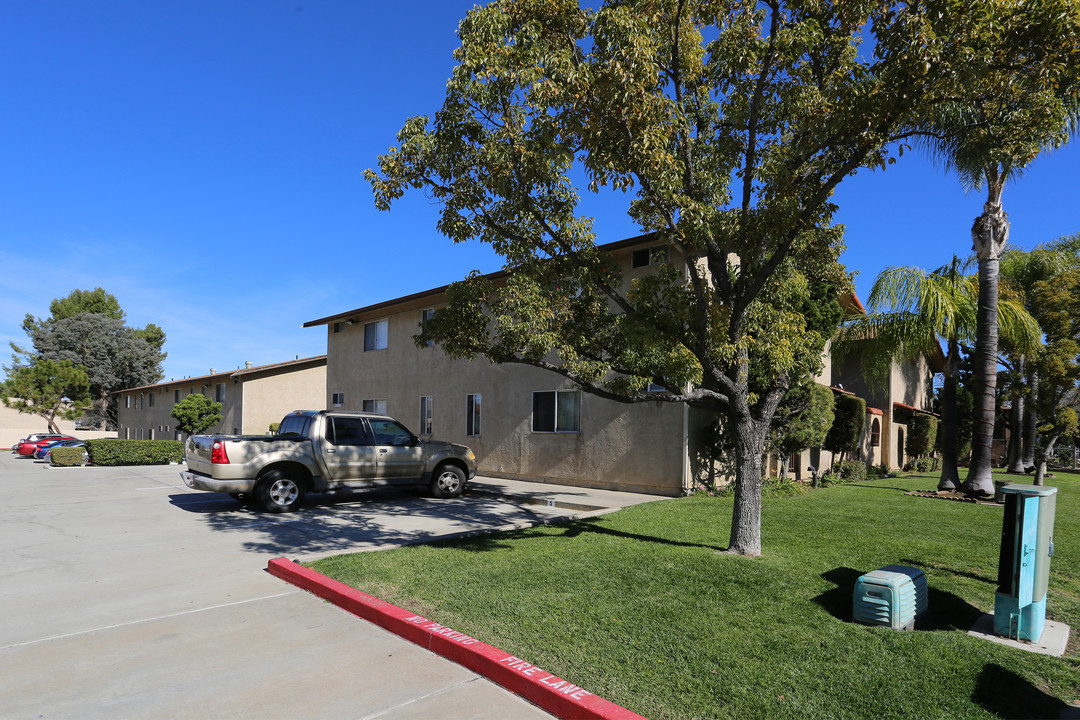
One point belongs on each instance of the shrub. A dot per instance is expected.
(853, 470)
(922, 431)
(927, 464)
(849, 419)
(109, 451)
(782, 487)
(67, 456)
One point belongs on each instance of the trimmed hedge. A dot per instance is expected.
(109, 451)
(67, 456)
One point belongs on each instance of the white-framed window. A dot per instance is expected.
(472, 414)
(374, 405)
(425, 415)
(337, 399)
(556, 411)
(375, 335)
(426, 315)
(644, 257)
(339, 326)
(219, 393)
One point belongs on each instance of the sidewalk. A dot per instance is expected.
(589, 501)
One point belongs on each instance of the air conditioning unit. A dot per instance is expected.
(894, 596)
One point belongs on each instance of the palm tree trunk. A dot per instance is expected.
(989, 234)
(1016, 424)
(1031, 422)
(950, 474)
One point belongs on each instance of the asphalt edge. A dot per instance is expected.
(553, 694)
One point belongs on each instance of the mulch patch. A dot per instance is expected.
(951, 495)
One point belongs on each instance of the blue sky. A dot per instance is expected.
(203, 162)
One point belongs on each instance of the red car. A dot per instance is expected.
(27, 447)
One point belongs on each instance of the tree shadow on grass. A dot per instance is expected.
(945, 611)
(1005, 694)
(573, 529)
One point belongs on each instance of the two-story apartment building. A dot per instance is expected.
(524, 422)
(252, 398)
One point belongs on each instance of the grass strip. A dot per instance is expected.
(645, 608)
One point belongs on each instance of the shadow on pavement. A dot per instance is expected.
(358, 521)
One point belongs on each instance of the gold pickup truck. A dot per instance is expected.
(323, 451)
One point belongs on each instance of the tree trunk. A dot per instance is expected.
(1031, 422)
(1042, 455)
(950, 474)
(1015, 456)
(746, 515)
(990, 232)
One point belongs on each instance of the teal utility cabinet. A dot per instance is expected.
(1027, 544)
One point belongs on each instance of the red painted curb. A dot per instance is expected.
(553, 694)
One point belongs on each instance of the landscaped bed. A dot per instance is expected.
(644, 607)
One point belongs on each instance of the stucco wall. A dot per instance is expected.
(637, 448)
(14, 426)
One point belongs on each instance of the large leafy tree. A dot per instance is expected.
(1023, 270)
(87, 328)
(910, 310)
(1057, 305)
(727, 124)
(49, 390)
(1017, 115)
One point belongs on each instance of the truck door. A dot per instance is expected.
(401, 454)
(349, 453)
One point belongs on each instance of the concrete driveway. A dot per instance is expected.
(125, 595)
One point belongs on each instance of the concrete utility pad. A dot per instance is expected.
(1054, 640)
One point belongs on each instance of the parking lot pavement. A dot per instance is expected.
(125, 595)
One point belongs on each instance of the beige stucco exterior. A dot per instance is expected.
(639, 448)
(252, 398)
(15, 426)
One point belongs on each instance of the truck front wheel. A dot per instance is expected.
(279, 493)
(448, 481)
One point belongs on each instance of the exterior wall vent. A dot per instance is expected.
(894, 596)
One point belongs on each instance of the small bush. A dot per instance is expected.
(134, 452)
(67, 456)
(783, 487)
(853, 470)
(927, 464)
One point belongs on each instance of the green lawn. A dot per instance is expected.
(645, 608)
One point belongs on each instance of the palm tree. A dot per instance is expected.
(991, 140)
(908, 310)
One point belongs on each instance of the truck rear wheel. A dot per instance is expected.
(448, 481)
(278, 492)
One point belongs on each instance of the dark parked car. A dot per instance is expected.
(44, 450)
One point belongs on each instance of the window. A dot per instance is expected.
(150, 434)
(875, 433)
(374, 405)
(219, 392)
(127, 401)
(151, 399)
(425, 415)
(337, 399)
(649, 256)
(472, 414)
(176, 396)
(557, 411)
(295, 425)
(426, 315)
(391, 432)
(375, 334)
(339, 326)
(348, 431)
